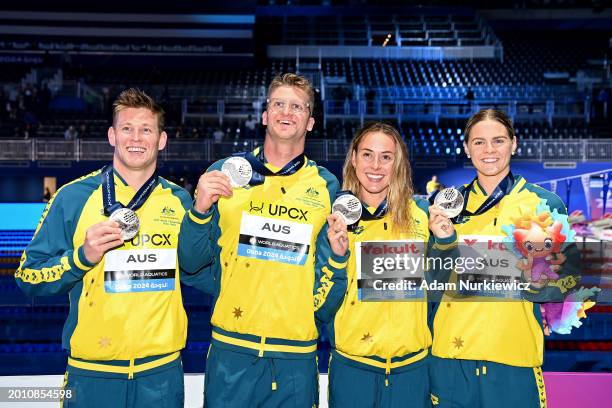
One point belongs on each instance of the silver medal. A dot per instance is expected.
(450, 201)
(239, 171)
(348, 207)
(128, 222)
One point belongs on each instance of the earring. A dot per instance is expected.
(514, 152)
(468, 156)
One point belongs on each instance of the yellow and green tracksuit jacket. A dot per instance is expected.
(507, 332)
(386, 335)
(127, 307)
(275, 272)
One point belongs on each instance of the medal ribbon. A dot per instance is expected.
(380, 211)
(502, 189)
(260, 171)
(108, 192)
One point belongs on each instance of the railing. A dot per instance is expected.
(430, 110)
(493, 92)
(13, 151)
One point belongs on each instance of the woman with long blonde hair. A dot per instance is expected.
(380, 348)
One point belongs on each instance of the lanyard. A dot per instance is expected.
(108, 192)
(380, 211)
(260, 171)
(502, 189)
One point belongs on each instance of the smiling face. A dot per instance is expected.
(374, 161)
(288, 115)
(539, 242)
(490, 148)
(136, 138)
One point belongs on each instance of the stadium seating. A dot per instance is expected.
(405, 92)
(363, 30)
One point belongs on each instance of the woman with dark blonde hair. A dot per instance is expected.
(380, 348)
(488, 351)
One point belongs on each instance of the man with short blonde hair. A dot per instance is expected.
(109, 239)
(294, 81)
(278, 271)
(135, 98)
